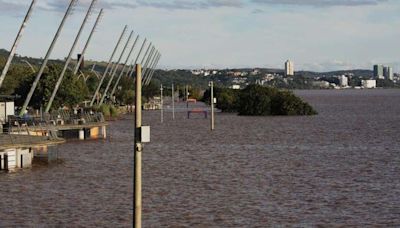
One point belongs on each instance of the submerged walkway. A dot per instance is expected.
(12, 141)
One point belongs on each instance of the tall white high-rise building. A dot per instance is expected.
(344, 81)
(289, 68)
(388, 72)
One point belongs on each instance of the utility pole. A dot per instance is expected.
(125, 65)
(61, 77)
(153, 70)
(161, 103)
(88, 42)
(173, 101)
(137, 188)
(108, 66)
(16, 42)
(46, 59)
(115, 70)
(212, 106)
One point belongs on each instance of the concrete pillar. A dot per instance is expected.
(82, 134)
(104, 132)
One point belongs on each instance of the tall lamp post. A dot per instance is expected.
(212, 105)
(161, 104)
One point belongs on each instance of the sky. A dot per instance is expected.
(317, 35)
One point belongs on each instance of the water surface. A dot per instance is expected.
(341, 167)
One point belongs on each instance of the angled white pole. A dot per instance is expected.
(61, 77)
(150, 70)
(149, 57)
(46, 59)
(115, 70)
(125, 65)
(137, 57)
(154, 69)
(145, 54)
(88, 42)
(16, 42)
(108, 65)
(131, 65)
(150, 67)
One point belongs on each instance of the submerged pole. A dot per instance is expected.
(88, 42)
(187, 96)
(173, 101)
(61, 77)
(16, 42)
(108, 65)
(161, 104)
(137, 188)
(46, 59)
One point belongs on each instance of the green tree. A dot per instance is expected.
(255, 100)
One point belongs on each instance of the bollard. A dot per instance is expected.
(81, 134)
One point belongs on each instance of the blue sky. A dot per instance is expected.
(318, 35)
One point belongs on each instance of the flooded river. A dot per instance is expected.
(341, 167)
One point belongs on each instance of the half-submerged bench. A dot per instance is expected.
(197, 111)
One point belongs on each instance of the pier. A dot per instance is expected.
(26, 138)
(18, 151)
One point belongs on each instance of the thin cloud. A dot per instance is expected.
(60, 6)
(191, 4)
(258, 11)
(12, 8)
(320, 3)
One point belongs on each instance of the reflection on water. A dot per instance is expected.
(338, 168)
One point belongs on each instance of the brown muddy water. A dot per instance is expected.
(339, 168)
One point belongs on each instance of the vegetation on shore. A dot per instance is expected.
(256, 100)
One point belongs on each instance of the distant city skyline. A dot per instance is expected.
(318, 35)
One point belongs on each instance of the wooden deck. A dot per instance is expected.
(18, 141)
